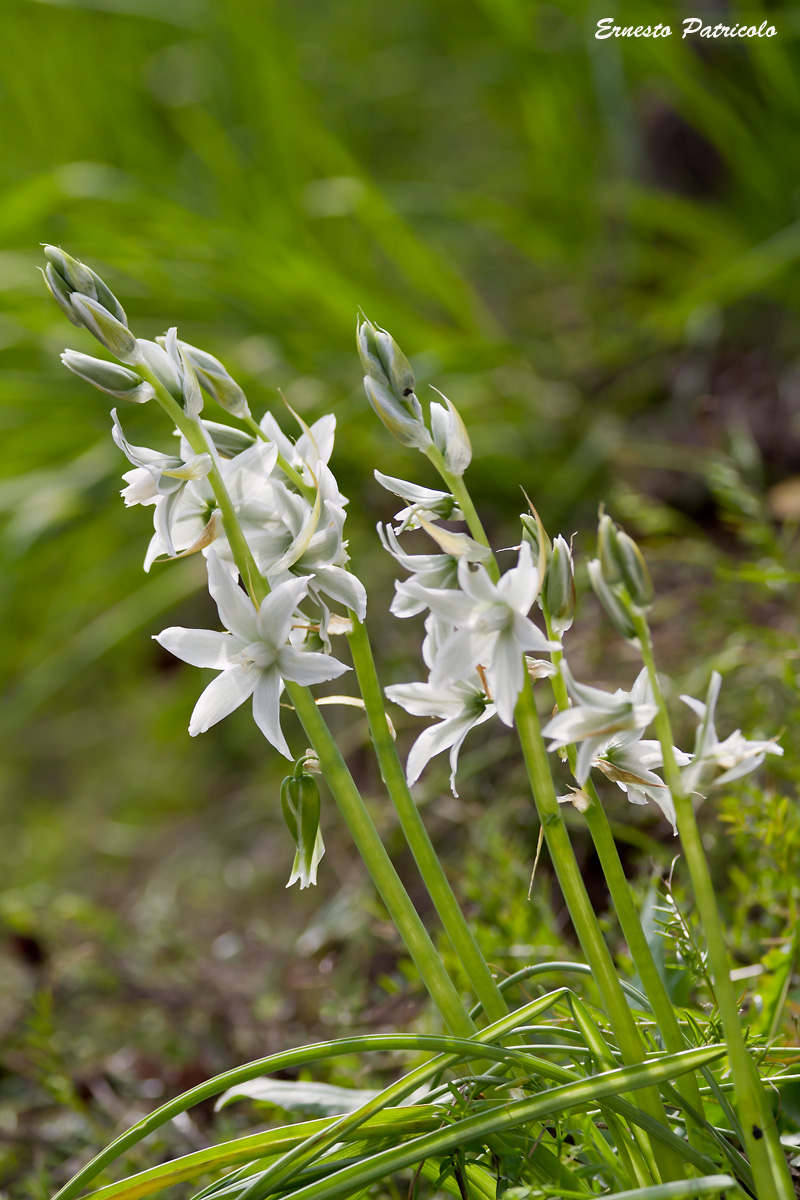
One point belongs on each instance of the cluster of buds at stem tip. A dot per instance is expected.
(301, 807)
(619, 577)
(86, 300)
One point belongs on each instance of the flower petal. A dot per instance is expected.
(221, 697)
(307, 667)
(267, 710)
(200, 647)
(506, 675)
(275, 615)
(235, 610)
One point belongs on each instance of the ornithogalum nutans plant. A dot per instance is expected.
(619, 1100)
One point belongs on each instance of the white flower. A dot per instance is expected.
(629, 762)
(158, 479)
(254, 658)
(598, 717)
(717, 762)
(422, 502)
(459, 706)
(427, 570)
(491, 628)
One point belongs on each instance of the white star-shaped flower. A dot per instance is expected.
(254, 658)
(717, 762)
(491, 628)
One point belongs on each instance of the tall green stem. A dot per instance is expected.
(415, 832)
(761, 1136)
(344, 790)
(625, 909)
(583, 917)
(562, 855)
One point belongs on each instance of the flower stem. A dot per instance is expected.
(461, 494)
(583, 917)
(625, 909)
(416, 834)
(760, 1132)
(347, 796)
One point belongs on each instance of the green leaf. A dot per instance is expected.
(322, 1099)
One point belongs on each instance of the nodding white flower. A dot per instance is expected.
(491, 628)
(597, 719)
(158, 479)
(459, 707)
(423, 502)
(629, 761)
(717, 762)
(254, 658)
(428, 570)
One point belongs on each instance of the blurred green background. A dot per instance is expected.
(592, 247)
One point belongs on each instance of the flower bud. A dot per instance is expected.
(623, 563)
(65, 275)
(560, 586)
(389, 384)
(407, 429)
(108, 377)
(156, 359)
(450, 436)
(614, 606)
(301, 808)
(110, 332)
(215, 380)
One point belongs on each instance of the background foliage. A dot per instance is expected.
(591, 247)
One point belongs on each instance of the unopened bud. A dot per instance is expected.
(406, 427)
(615, 608)
(110, 332)
(623, 563)
(156, 359)
(66, 276)
(450, 436)
(301, 809)
(389, 384)
(215, 380)
(108, 377)
(560, 586)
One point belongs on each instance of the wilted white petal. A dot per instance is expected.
(200, 647)
(222, 696)
(267, 711)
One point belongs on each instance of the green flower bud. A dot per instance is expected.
(560, 586)
(301, 808)
(611, 602)
(110, 332)
(228, 440)
(65, 275)
(408, 430)
(450, 436)
(108, 377)
(389, 384)
(623, 563)
(215, 380)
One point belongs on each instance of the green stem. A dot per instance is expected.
(416, 834)
(348, 799)
(760, 1132)
(625, 909)
(562, 855)
(460, 492)
(583, 917)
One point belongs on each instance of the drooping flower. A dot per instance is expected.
(717, 762)
(424, 502)
(598, 717)
(253, 658)
(459, 707)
